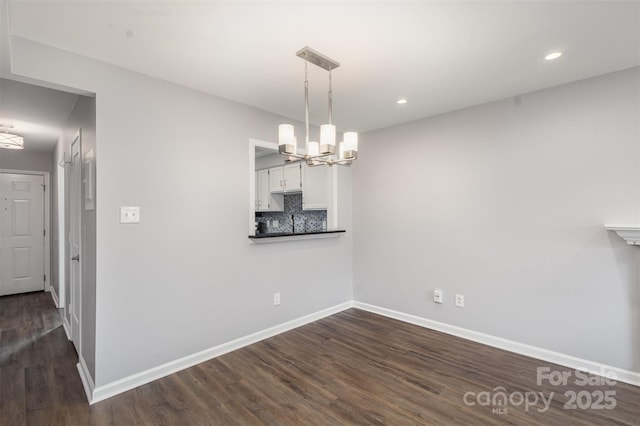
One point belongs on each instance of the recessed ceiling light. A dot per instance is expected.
(553, 55)
(401, 101)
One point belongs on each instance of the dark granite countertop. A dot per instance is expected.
(292, 234)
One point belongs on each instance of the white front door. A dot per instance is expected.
(75, 242)
(21, 233)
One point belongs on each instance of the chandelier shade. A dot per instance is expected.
(327, 138)
(350, 146)
(286, 139)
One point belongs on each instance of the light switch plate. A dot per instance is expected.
(129, 214)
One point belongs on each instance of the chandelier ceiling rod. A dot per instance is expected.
(306, 104)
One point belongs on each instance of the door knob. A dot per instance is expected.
(76, 258)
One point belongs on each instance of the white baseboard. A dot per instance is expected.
(111, 389)
(626, 376)
(85, 376)
(54, 296)
(100, 393)
(67, 328)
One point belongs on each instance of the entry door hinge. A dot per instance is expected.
(44, 187)
(45, 278)
(44, 232)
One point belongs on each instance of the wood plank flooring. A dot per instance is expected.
(351, 368)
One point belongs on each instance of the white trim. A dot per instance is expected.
(100, 393)
(253, 143)
(626, 376)
(629, 233)
(332, 198)
(62, 232)
(47, 232)
(66, 326)
(47, 219)
(54, 296)
(111, 389)
(85, 377)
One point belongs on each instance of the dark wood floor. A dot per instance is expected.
(350, 368)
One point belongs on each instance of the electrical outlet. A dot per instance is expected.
(460, 300)
(129, 214)
(276, 299)
(437, 296)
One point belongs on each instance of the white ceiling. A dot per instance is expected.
(440, 55)
(38, 114)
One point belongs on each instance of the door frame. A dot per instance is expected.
(47, 230)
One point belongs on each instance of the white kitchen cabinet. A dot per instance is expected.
(293, 177)
(314, 187)
(266, 201)
(285, 179)
(276, 179)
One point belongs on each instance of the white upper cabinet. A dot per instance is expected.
(273, 183)
(314, 187)
(286, 179)
(293, 177)
(265, 200)
(276, 179)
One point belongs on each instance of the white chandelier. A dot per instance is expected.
(8, 140)
(322, 152)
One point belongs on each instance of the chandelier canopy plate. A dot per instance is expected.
(317, 58)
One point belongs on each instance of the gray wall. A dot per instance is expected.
(271, 160)
(505, 203)
(40, 161)
(84, 116)
(186, 278)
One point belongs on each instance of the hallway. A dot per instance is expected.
(39, 382)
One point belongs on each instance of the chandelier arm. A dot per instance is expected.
(298, 156)
(342, 162)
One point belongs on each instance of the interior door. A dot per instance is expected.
(21, 233)
(75, 242)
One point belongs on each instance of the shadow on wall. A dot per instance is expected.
(629, 260)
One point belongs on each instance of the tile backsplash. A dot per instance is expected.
(305, 220)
